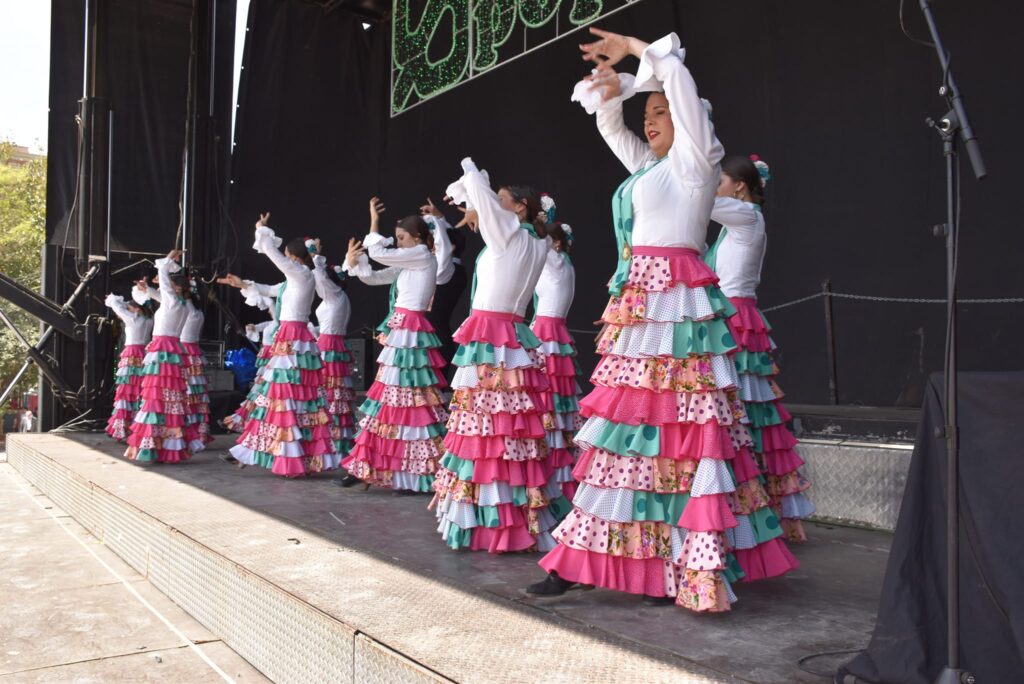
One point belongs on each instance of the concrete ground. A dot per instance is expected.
(72, 611)
(829, 604)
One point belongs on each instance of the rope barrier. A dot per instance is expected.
(901, 300)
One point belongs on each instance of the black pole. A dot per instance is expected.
(830, 344)
(953, 124)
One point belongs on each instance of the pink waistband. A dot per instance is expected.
(549, 319)
(641, 250)
(399, 309)
(500, 315)
(749, 301)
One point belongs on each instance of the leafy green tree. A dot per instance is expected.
(22, 235)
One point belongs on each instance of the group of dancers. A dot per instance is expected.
(673, 479)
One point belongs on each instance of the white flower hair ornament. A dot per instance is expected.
(567, 229)
(310, 245)
(547, 203)
(762, 169)
(338, 269)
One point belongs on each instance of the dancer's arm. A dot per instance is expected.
(117, 304)
(268, 243)
(497, 226)
(442, 243)
(356, 264)
(380, 250)
(325, 287)
(164, 268)
(739, 217)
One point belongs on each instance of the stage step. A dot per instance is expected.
(302, 608)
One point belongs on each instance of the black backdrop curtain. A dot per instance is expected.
(143, 71)
(832, 96)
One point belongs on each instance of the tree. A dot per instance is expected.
(22, 235)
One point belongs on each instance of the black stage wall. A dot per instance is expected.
(832, 96)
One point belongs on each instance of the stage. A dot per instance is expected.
(310, 582)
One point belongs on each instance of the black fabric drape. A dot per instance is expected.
(909, 641)
(309, 134)
(142, 70)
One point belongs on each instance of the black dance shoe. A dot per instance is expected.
(553, 585)
(348, 481)
(659, 600)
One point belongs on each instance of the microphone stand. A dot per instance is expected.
(950, 126)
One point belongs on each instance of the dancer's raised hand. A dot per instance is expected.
(232, 280)
(355, 250)
(174, 255)
(264, 220)
(610, 48)
(470, 219)
(376, 208)
(429, 209)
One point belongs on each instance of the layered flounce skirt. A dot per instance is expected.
(128, 392)
(774, 445)
(500, 486)
(197, 419)
(158, 430)
(399, 443)
(288, 431)
(670, 500)
(557, 352)
(337, 393)
(236, 421)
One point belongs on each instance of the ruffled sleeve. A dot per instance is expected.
(269, 244)
(117, 304)
(629, 148)
(368, 276)
(164, 268)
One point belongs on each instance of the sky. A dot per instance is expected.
(24, 71)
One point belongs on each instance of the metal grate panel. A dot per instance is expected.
(855, 482)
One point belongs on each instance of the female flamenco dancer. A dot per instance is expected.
(289, 430)
(555, 290)
(737, 257)
(138, 329)
(667, 483)
(197, 415)
(263, 297)
(451, 277)
(158, 431)
(197, 418)
(333, 315)
(499, 489)
(399, 440)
